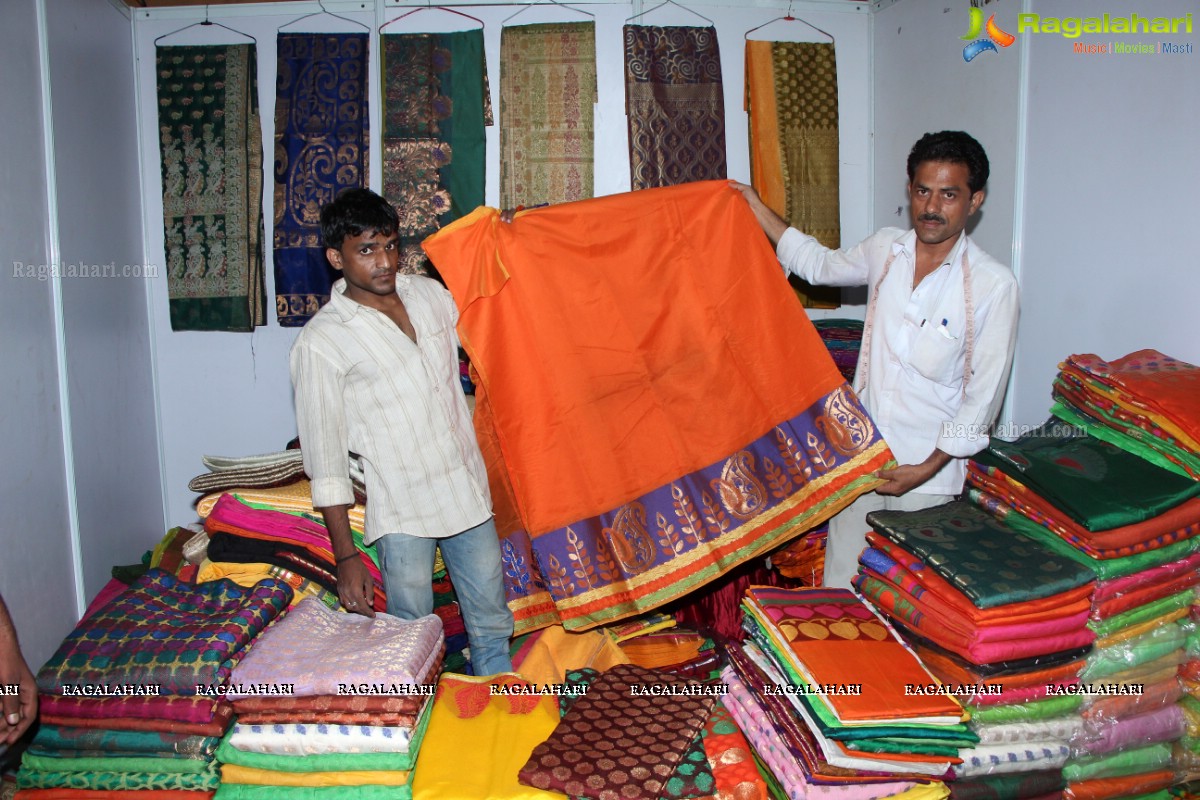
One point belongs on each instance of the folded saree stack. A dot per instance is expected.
(331, 705)
(834, 704)
(261, 522)
(134, 698)
(1134, 525)
(1146, 402)
(1001, 620)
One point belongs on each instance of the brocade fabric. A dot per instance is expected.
(352, 649)
(792, 102)
(210, 140)
(614, 743)
(321, 147)
(436, 105)
(675, 105)
(547, 114)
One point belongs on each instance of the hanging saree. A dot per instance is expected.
(792, 103)
(210, 140)
(547, 99)
(675, 105)
(641, 438)
(321, 147)
(436, 105)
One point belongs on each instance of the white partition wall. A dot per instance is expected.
(1111, 205)
(229, 393)
(36, 575)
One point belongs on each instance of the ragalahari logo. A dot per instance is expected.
(995, 35)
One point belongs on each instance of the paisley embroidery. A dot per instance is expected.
(630, 540)
(742, 494)
(845, 423)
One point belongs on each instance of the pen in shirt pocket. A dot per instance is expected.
(945, 331)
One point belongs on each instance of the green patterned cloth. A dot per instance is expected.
(1027, 712)
(246, 791)
(148, 764)
(990, 563)
(210, 140)
(436, 106)
(63, 741)
(1105, 569)
(1097, 484)
(111, 780)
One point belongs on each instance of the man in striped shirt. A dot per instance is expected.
(376, 371)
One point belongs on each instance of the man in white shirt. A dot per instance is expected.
(376, 371)
(938, 337)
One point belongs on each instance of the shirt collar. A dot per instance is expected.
(345, 308)
(907, 244)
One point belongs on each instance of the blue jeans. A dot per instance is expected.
(473, 560)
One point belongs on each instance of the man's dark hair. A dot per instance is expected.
(956, 147)
(354, 211)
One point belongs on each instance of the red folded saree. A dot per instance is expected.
(637, 404)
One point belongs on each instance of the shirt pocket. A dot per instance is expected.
(937, 354)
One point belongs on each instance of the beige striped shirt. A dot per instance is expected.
(362, 385)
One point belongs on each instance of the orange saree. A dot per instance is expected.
(653, 404)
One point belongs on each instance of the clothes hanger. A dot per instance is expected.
(526, 6)
(327, 13)
(789, 18)
(430, 7)
(207, 22)
(673, 3)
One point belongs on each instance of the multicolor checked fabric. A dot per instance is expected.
(321, 147)
(166, 633)
(547, 117)
(210, 139)
(675, 105)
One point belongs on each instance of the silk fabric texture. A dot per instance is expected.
(210, 141)
(601, 445)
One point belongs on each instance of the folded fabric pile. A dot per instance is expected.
(504, 738)
(1146, 402)
(354, 702)
(999, 619)
(678, 650)
(803, 559)
(261, 522)
(843, 338)
(134, 697)
(834, 704)
(1134, 525)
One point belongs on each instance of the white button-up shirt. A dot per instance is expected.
(361, 384)
(914, 381)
